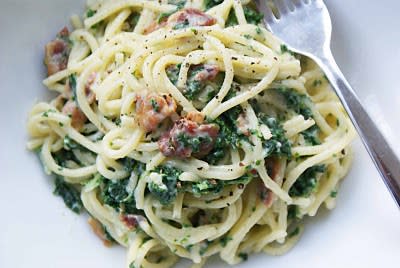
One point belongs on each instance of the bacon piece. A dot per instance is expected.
(129, 220)
(57, 52)
(152, 109)
(190, 17)
(98, 229)
(90, 96)
(78, 118)
(184, 18)
(243, 125)
(195, 117)
(267, 196)
(187, 138)
(208, 72)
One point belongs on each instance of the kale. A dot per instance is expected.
(311, 135)
(252, 16)
(292, 212)
(278, 144)
(194, 86)
(132, 20)
(167, 191)
(295, 232)
(243, 256)
(116, 195)
(298, 102)
(228, 135)
(207, 187)
(62, 156)
(90, 13)
(131, 165)
(307, 181)
(173, 73)
(72, 85)
(179, 3)
(284, 49)
(69, 194)
(211, 3)
(224, 240)
(193, 142)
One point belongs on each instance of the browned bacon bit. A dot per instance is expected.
(266, 195)
(187, 138)
(195, 117)
(129, 220)
(78, 118)
(152, 109)
(208, 72)
(57, 52)
(190, 17)
(243, 125)
(90, 96)
(99, 230)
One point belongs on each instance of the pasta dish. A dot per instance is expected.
(185, 129)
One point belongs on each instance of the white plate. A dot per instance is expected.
(37, 230)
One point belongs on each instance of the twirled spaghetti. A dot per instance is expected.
(185, 129)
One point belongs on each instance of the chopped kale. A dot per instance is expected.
(179, 3)
(284, 49)
(243, 256)
(252, 16)
(224, 240)
(193, 142)
(207, 187)
(173, 73)
(278, 144)
(298, 102)
(116, 195)
(164, 16)
(295, 232)
(166, 192)
(211, 3)
(132, 21)
(307, 182)
(90, 13)
(69, 194)
(333, 194)
(292, 212)
(72, 85)
(311, 135)
(228, 135)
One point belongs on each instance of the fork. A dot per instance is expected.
(305, 27)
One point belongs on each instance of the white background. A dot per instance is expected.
(37, 230)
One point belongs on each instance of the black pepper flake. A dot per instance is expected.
(234, 58)
(200, 168)
(275, 58)
(230, 193)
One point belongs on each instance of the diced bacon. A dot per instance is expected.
(267, 196)
(57, 52)
(98, 229)
(129, 220)
(243, 125)
(78, 118)
(195, 117)
(90, 96)
(152, 109)
(208, 72)
(187, 138)
(186, 18)
(191, 17)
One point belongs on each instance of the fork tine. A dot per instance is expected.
(262, 6)
(281, 6)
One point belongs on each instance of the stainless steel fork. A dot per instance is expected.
(305, 27)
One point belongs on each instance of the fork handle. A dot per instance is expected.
(377, 146)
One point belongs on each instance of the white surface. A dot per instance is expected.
(37, 230)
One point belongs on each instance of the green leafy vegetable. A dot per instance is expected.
(211, 3)
(69, 194)
(298, 102)
(207, 187)
(167, 191)
(252, 16)
(284, 49)
(311, 135)
(307, 182)
(90, 13)
(278, 145)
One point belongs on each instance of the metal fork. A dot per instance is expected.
(305, 27)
